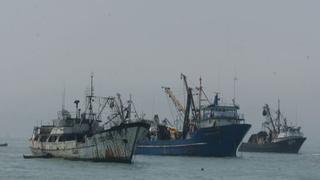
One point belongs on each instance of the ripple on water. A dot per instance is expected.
(249, 166)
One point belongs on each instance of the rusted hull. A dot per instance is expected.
(117, 144)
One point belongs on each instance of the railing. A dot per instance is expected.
(241, 116)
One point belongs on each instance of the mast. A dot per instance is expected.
(267, 113)
(190, 106)
(77, 109)
(121, 107)
(200, 98)
(184, 78)
(234, 90)
(278, 116)
(91, 115)
(128, 116)
(63, 98)
(216, 99)
(186, 122)
(63, 114)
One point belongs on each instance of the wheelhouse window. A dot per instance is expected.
(80, 138)
(52, 139)
(208, 114)
(43, 138)
(220, 112)
(227, 113)
(67, 137)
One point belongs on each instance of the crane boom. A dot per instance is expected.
(175, 101)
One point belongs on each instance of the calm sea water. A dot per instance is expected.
(255, 166)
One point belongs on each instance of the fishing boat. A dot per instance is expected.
(277, 136)
(4, 145)
(91, 135)
(209, 128)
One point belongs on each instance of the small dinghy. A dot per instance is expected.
(3, 144)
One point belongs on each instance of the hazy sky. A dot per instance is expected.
(138, 46)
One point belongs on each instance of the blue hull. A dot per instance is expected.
(215, 141)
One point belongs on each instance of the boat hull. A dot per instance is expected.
(117, 144)
(219, 141)
(292, 145)
(4, 145)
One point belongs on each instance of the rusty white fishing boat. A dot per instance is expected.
(87, 137)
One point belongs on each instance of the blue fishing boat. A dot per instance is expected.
(211, 129)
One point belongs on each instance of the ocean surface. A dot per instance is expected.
(247, 166)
